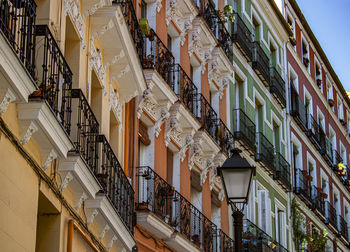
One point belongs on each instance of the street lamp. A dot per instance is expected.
(236, 175)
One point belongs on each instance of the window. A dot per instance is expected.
(348, 116)
(340, 110)
(293, 79)
(264, 203)
(329, 92)
(305, 53)
(318, 74)
(273, 55)
(343, 153)
(256, 30)
(276, 137)
(143, 9)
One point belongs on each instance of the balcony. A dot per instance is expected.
(298, 109)
(225, 40)
(17, 23)
(255, 239)
(261, 63)
(343, 228)
(318, 203)
(315, 133)
(265, 153)
(303, 186)
(277, 87)
(242, 37)
(326, 151)
(224, 138)
(331, 216)
(244, 130)
(158, 57)
(336, 160)
(282, 172)
(167, 214)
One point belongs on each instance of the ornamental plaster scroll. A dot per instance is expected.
(28, 128)
(104, 231)
(48, 156)
(121, 73)
(159, 5)
(7, 96)
(182, 20)
(94, 8)
(147, 104)
(72, 7)
(91, 218)
(172, 126)
(196, 46)
(163, 116)
(209, 166)
(110, 243)
(187, 143)
(219, 159)
(116, 106)
(68, 178)
(195, 150)
(80, 200)
(220, 76)
(96, 63)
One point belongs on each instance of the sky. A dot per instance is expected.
(330, 22)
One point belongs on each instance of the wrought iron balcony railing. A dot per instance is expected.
(331, 215)
(326, 151)
(224, 138)
(337, 159)
(261, 63)
(17, 24)
(303, 186)
(159, 197)
(317, 200)
(298, 109)
(255, 239)
(85, 129)
(185, 89)
(133, 24)
(114, 182)
(54, 78)
(315, 133)
(242, 37)
(158, 57)
(282, 172)
(277, 87)
(343, 227)
(207, 117)
(265, 152)
(244, 130)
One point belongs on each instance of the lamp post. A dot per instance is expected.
(236, 176)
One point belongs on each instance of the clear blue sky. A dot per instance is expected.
(330, 22)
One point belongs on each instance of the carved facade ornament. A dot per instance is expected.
(96, 63)
(27, 130)
(104, 231)
(94, 8)
(195, 150)
(68, 178)
(116, 106)
(172, 126)
(147, 104)
(110, 243)
(99, 31)
(218, 160)
(7, 96)
(159, 5)
(81, 200)
(188, 142)
(209, 166)
(91, 218)
(48, 157)
(72, 7)
(163, 116)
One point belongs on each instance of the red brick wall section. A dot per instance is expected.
(160, 154)
(298, 38)
(312, 63)
(206, 199)
(222, 110)
(185, 182)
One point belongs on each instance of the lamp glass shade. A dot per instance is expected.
(237, 183)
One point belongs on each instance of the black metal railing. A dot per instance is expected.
(115, 183)
(159, 197)
(331, 214)
(303, 186)
(244, 129)
(131, 20)
(207, 9)
(265, 152)
(326, 151)
(17, 24)
(315, 133)
(85, 129)
(255, 239)
(185, 89)
(261, 63)
(225, 41)
(337, 159)
(298, 109)
(224, 138)
(317, 200)
(242, 37)
(282, 171)
(207, 117)
(277, 87)
(343, 227)
(157, 56)
(54, 78)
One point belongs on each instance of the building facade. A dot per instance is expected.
(114, 116)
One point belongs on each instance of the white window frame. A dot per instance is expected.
(308, 51)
